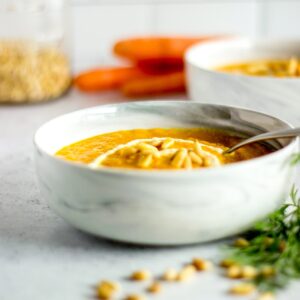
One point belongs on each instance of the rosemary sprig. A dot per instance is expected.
(273, 243)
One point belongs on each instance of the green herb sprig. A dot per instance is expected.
(273, 243)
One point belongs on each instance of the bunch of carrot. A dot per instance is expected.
(157, 67)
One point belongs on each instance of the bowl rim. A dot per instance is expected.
(165, 173)
(191, 59)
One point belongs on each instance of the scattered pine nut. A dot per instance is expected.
(226, 263)
(202, 264)
(106, 289)
(154, 288)
(241, 242)
(170, 275)
(134, 297)
(267, 271)
(248, 272)
(242, 289)
(186, 273)
(266, 296)
(234, 272)
(141, 275)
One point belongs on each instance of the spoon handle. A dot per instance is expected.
(285, 133)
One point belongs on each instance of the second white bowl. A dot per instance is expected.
(278, 96)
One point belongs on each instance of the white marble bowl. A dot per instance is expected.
(161, 207)
(278, 96)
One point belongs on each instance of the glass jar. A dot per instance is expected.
(34, 50)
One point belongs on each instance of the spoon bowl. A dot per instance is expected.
(285, 133)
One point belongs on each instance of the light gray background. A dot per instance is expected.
(42, 257)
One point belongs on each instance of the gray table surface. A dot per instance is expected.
(42, 257)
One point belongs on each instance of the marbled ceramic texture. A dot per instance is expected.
(161, 207)
(277, 96)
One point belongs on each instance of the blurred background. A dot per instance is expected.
(98, 23)
(44, 44)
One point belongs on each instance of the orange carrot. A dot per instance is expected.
(106, 78)
(160, 65)
(137, 49)
(155, 85)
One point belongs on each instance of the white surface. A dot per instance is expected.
(42, 257)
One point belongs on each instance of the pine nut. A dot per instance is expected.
(266, 296)
(293, 66)
(167, 152)
(196, 158)
(135, 297)
(147, 148)
(242, 289)
(128, 151)
(156, 143)
(170, 275)
(154, 288)
(179, 158)
(167, 143)
(186, 273)
(140, 275)
(234, 272)
(267, 271)
(226, 263)
(248, 272)
(187, 164)
(241, 242)
(207, 161)
(106, 289)
(202, 264)
(198, 148)
(145, 161)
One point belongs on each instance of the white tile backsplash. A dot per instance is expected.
(97, 27)
(98, 23)
(283, 18)
(216, 17)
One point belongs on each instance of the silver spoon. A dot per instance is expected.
(286, 133)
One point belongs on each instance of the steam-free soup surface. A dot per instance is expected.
(158, 148)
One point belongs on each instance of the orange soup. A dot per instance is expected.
(159, 148)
